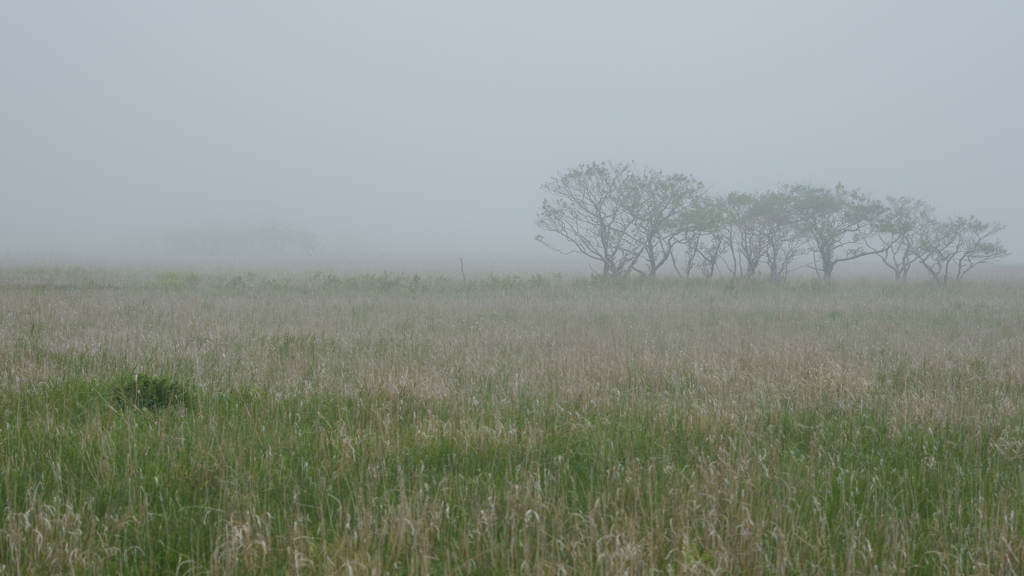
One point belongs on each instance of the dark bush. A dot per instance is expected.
(150, 392)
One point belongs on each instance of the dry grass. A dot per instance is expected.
(404, 425)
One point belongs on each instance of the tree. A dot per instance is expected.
(690, 242)
(701, 220)
(714, 238)
(590, 209)
(747, 228)
(950, 249)
(833, 220)
(900, 229)
(783, 242)
(309, 242)
(662, 206)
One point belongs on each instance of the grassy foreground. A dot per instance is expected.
(397, 425)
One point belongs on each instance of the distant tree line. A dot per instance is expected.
(631, 219)
(266, 238)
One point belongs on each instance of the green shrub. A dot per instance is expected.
(173, 280)
(236, 283)
(150, 392)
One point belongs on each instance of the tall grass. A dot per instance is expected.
(395, 424)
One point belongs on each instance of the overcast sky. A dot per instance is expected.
(429, 126)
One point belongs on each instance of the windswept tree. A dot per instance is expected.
(899, 233)
(748, 223)
(835, 221)
(662, 207)
(783, 242)
(639, 220)
(701, 221)
(714, 239)
(590, 209)
(951, 248)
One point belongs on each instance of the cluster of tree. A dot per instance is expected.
(263, 238)
(632, 219)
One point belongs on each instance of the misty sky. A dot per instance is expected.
(428, 127)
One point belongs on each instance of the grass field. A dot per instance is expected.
(405, 425)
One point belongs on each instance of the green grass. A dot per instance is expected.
(511, 426)
(148, 392)
(166, 487)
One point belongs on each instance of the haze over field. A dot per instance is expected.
(412, 129)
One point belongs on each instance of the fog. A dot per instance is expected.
(421, 132)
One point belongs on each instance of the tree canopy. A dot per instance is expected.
(631, 219)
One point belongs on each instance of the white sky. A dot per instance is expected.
(428, 127)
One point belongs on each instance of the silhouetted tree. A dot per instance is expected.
(714, 240)
(662, 207)
(619, 216)
(590, 209)
(899, 233)
(748, 227)
(833, 220)
(702, 220)
(951, 248)
(783, 241)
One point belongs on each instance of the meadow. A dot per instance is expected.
(396, 424)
